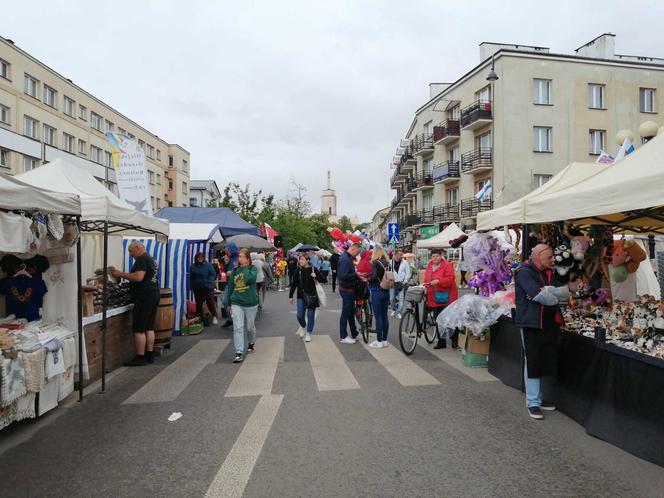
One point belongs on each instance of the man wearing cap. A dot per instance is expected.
(539, 318)
(347, 282)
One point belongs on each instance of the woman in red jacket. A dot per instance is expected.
(441, 291)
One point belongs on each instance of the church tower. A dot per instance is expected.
(328, 199)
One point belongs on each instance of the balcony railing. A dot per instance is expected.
(426, 216)
(477, 160)
(424, 180)
(446, 213)
(446, 131)
(422, 143)
(476, 114)
(470, 207)
(413, 220)
(407, 156)
(448, 170)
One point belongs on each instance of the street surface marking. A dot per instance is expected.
(256, 373)
(172, 380)
(233, 475)
(454, 359)
(402, 368)
(329, 366)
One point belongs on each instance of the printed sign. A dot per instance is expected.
(130, 172)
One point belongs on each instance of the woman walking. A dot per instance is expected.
(202, 278)
(441, 291)
(304, 282)
(380, 298)
(243, 299)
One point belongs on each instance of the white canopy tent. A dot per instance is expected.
(195, 231)
(442, 240)
(516, 213)
(17, 195)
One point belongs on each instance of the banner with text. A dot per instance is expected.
(130, 171)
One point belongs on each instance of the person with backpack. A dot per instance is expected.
(380, 283)
(304, 281)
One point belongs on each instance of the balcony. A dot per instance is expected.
(446, 214)
(470, 207)
(446, 172)
(476, 115)
(422, 144)
(394, 202)
(410, 188)
(446, 132)
(424, 180)
(412, 221)
(397, 176)
(477, 160)
(426, 216)
(407, 159)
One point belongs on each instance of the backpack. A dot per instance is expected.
(387, 282)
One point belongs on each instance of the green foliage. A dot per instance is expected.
(345, 224)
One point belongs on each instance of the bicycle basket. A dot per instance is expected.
(415, 294)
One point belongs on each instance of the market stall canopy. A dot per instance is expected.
(251, 242)
(17, 195)
(627, 195)
(195, 231)
(98, 204)
(515, 212)
(442, 239)
(229, 223)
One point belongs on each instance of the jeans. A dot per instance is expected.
(399, 300)
(244, 318)
(311, 316)
(380, 300)
(334, 280)
(347, 314)
(533, 386)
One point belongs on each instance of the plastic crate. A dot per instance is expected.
(474, 360)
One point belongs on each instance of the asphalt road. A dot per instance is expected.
(317, 419)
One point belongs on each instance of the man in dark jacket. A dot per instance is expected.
(334, 264)
(347, 281)
(539, 318)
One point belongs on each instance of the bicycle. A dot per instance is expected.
(411, 325)
(364, 313)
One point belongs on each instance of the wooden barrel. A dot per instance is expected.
(163, 325)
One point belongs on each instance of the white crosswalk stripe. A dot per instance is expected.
(256, 374)
(329, 366)
(401, 367)
(453, 358)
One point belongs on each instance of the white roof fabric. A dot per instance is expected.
(195, 231)
(442, 239)
(15, 194)
(97, 202)
(517, 212)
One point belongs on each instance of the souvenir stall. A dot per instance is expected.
(611, 352)
(175, 257)
(38, 344)
(105, 218)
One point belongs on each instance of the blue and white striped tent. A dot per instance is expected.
(174, 273)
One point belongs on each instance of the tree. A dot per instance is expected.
(295, 201)
(268, 211)
(345, 224)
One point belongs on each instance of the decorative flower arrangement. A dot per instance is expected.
(280, 267)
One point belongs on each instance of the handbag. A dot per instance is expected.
(311, 301)
(322, 298)
(387, 282)
(441, 297)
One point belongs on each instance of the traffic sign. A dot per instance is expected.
(393, 233)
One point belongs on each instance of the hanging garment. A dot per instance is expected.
(25, 407)
(34, 369)
(23, 296)
(16, 233)
(12, 380)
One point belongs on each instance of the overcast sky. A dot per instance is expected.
(259, 92)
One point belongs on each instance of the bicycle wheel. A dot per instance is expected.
(408, 332)
(429, 325)
(363, 319)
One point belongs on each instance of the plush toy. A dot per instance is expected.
(563, 260)
(627, 255)
(579, 247)
(336, 234)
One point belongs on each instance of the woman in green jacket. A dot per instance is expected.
(244, 303)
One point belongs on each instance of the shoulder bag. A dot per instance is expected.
(387, 282)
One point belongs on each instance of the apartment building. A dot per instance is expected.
(203, 192)
(377, 227)
(45, 116)
(516, 119)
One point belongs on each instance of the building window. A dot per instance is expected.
(95, 121)
(452, 196)
(427, 127)
(151, 177)
(185, 166)
(109, 126)
(82, 147)
(108, 159)
(50, 96)
(122, 131)
(193, 202)
(596, 141)
(31, 86)
(647, 99)
(158, 179)
(49, 135)
(595, 96)
(150, 151)
(30, 127)
(29, 163)
(483, 141)
(4, 114)
(152, 202)
(82, 112)
(539, 180)
(427, 202)
(480, 184)
(4, 69)
(158, 203)
(158, 155)
(484, 95)
(68, 106)
(428, 166)
(541, 92)
(170, 161)
(454, 113)
(170, 184)
(141, 144)
(68, 142)
(329, 210)
(95, 154)
(542, 139)
(184, 188)
(170, 204)
(453, 155)
(4, 158)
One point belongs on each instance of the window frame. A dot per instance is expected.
(96, 154)
(53, 132)
(642, 101)
(537, 139)
(82, 147)
(31, 159)
(537, 176)
(82, 112)
(26, 78)
(109, 126)
(35, 125)
(7, 71)
(96, 119)
(590, 97)
(66, 137)
(48, 90)
(6, 110)
(537, 87)
(448, 196)
(6, 163)
(65, 101)
(591, 141)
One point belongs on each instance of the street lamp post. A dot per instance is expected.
(492, 78)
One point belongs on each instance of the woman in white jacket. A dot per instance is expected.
(401, 270)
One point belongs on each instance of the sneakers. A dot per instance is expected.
(399, 316)
(385, 344)
(214, 320)
(251, 348)
(136, 361)
(239, 357)
(375, 344)
(548, 408)
(307, 338)
(348, 340)
(229, 323)
(300, 332)
(149, 357)
(393, 313)
(441, 344)
(535, 412)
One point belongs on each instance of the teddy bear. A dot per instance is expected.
(579, 246)
(562, 260)
(627, 255)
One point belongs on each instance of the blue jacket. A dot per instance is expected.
(232, 262)
(346, 275)
(202, 276)
(528, 283)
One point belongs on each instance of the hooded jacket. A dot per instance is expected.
(232, 262)
(528, 283)
(446, 283)
(202, 275)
